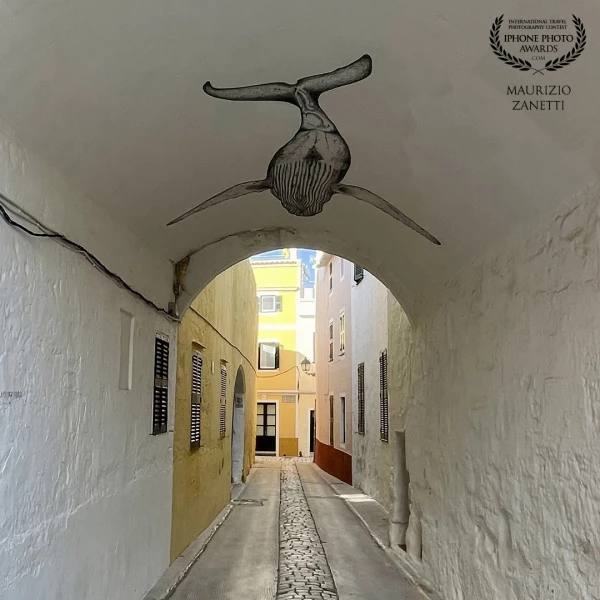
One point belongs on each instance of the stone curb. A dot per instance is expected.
(402, 562)
(176, 572)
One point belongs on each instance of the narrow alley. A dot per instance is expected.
(299, 300)
(291, 536)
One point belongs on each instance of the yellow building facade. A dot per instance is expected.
(215, 407)
(286, 393)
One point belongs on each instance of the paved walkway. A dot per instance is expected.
(289, 536)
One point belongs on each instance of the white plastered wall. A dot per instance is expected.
(503, 427)
(85, 490)
(372, 466)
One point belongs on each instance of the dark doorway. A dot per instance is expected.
(266, 428)
(311, 431)
(238, 429)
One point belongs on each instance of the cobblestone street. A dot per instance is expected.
(290, 537)
(303, 568)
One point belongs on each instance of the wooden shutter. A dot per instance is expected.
(359, 274)
(277, 357)
(223, 404)
(361, 398)
(383, 398)
(278, 303)
(222, 418)
(330, 341)
(223, 381)
(196, 404)
(160, 401)
(331, 420)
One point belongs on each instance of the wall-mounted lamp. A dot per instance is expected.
(306, 367)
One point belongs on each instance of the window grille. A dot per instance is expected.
(383, 398)
(330, 341)
(268, 356)
(160, 402)
(359, 274)
(331, 420)
(196, 404)
(361, 398)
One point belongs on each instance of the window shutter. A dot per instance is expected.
(383, 398)
(361, 398)
(223, 381)
(277, 357)
(331, 420)
(160, 401)
(359, 274)
(223, 404)
(196, 404)
(330, 341)
(278, 303)
(222, 421)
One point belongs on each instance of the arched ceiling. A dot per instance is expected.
(110, 93)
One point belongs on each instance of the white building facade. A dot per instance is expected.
(85, 486)
(380, 343)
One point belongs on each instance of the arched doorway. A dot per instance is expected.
(237, 430)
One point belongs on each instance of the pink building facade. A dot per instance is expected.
(333, 451)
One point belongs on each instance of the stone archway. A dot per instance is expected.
(238, 428)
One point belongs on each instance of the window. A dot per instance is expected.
(330, 341)
(342, 419)
(268, 356)
(269, 304)
(126, 359)
(361, 398)
(341, 268)
(196, 409)
(160, 401)
(359, 274)
(331, 420)
(342, 332)
(331, 275)
(383, 398)
(223, 404)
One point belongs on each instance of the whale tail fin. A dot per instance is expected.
(314, 85)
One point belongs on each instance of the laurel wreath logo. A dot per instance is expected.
(524, 65)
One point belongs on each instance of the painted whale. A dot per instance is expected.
(306, 172)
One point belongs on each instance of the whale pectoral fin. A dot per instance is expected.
(383, 205)
(241, 189)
